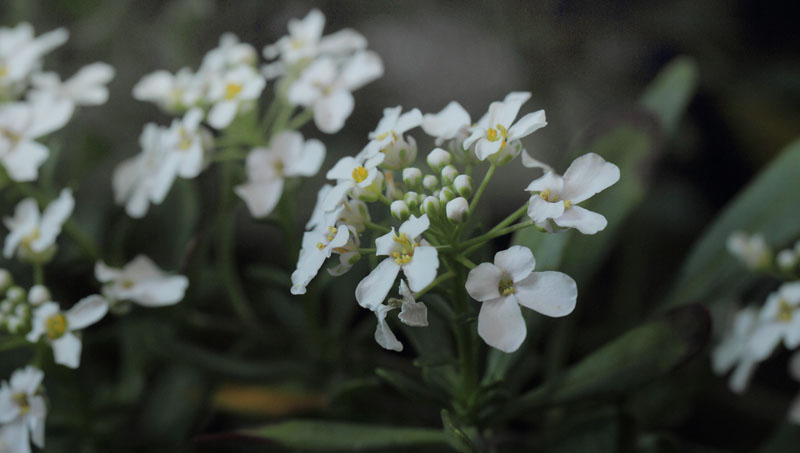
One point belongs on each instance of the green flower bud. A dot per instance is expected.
(449, 174)
(412, 200)
(430, 182)
(438, 159)
(463, 185)
(431, 206)
(457, 209)
(400, 211)
(447, 194)
(412, 177)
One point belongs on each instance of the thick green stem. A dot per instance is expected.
(466, 352)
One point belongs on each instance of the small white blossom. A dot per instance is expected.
(497, 130)
(393, 125)
(22, 411)
(787, 259)
(451, 121)
(510, 282)
(751, 249)
(38, 294)
(171, 92)
(86, 87)
(318, 245)
(412, 313)
(457, 209)
(141, 281)
(190, 141)
(59, 327)
(418, 261)
(778, 321)
(357, 175)
(33, 234)
(733, 351)
(267, 168)
(235, 91)
(556, 197)
(20, 55)
(229, 54)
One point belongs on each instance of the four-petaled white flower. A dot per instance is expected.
(359, 174)
(318, 245)
(778, 321)
(734, 351)
(21, 123)
(305, 40)
(326, 84)
(141, 281)
(267, 168)
(59, 327)
(20, 54)
(33, 234)
(234, 91)
(510, 282)
(750, 249)
(556, 197)
(22, 411)
(418, 261)
(393, 125)
(497, 129)
(86, 87)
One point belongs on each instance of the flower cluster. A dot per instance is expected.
(433, 210)
(753, 333)
(220, 98)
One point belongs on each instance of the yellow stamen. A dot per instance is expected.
(55, 326)
(785, 311)
(21, 400)
(407, 253)
(232, 89)
(360, 174)
(506, 287)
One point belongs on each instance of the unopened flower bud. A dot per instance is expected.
(438, 158)
(430, 182)
(15, 294)
(6, 280)
(412, 200)
(38, 294)
(449, 173)
(412, 177)
(400, 210)
(447, 194)
(399, 153)
(786, 259)
(457, 209)
(463, 185)
(431, 206)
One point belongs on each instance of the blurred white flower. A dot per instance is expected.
(326, 84)
(751, 249)
(497, 129)
(59, 327)
(22, 411)
(233, 92)
(21, 123)
(510, 282)
(33, 234)
(318, 245)
(787, 259)
(20, 54)
(556, 197)
(230, 53)
(418, 261)
(190, 141)
(733, 351)
(172, 93)
(778, 321)
(305, 41)
(286, 156)
(86, 87)
(141, 281)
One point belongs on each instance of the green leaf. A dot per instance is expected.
(313, 435)
(767, 205)
(411, 388)
(633, 359)
(668, 95)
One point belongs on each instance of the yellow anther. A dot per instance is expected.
(278, 166)
(785, 311)
(127, 283)
(545, 194)
(332, 233)
(567, 204)
(491, 134)
(21, 400)
(506, 287)
(360, 174)
(320, 245)
(3, 71)
(232, 89)
(407, 253)
(55, 326)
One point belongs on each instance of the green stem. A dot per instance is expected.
(522, 210)
(469, 246)
(465, 261)
(466, 354)
(14, 343)
(284, 113)
(377, 227)
(384, 200)
(482, 187)
(38, 273)
(300, 119)
(81, 240)
(366, 251)
(442, 278)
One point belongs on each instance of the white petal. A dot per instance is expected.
(362, 68)
(14, 436)
(501, 325)
(160, 291)
(763, 341)
(540, 210)
(408, 120)
(483, 282)
(342, 41)
(343, 169)
(517, 262)
(486, 148)
(588, 175)
(53, 218)
(261, 197)
(86, 312)
(385, 244)
(584, 220)
(222, 113)
(548, 181)
(67, 350)
(421, 271)
(476, 134)
(527, 125)
(309, 161)
(331, 112)
(372, 289)
(24, 160)
(549, 293)
(529, 162)
(741, 375)
(335, 196)
(383, 334)
(447, 123)
(415, 226)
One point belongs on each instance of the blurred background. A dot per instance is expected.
(586, 63)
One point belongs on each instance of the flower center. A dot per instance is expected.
(785, 311)
(386, 134)
(278, 166)
(360, 174)
(27, 240)
(405, 255)
(506, 287)
(550, 197)
(186, 140)
(10, 135)
(127, 283)
(232, 90)
(21, 400)
(331, 234)
(55, 326)
(499, 132)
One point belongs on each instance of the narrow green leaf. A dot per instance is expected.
(668, 95)
(313, 435)
(767, 205)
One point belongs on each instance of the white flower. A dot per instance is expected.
(141, 281)
(267, 168)
(21, 53)
(794, 372)
(32, 233)
(412, 313)
(86, 87)
(450, 122)
(22, 410)
(751, 249)
(21, 123)
(778, 321)
(235, 90)
(318, 245)
(418, 261)
(172, 93)
(189, 141)
(326, 85)
(787, 259)
(496, 130)
(228, 54)
(510, 282)
(349, 254)
(358, 174)
(59, 327)
(305, 40)
(556, 197)
(393, 125)
(733, 351)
